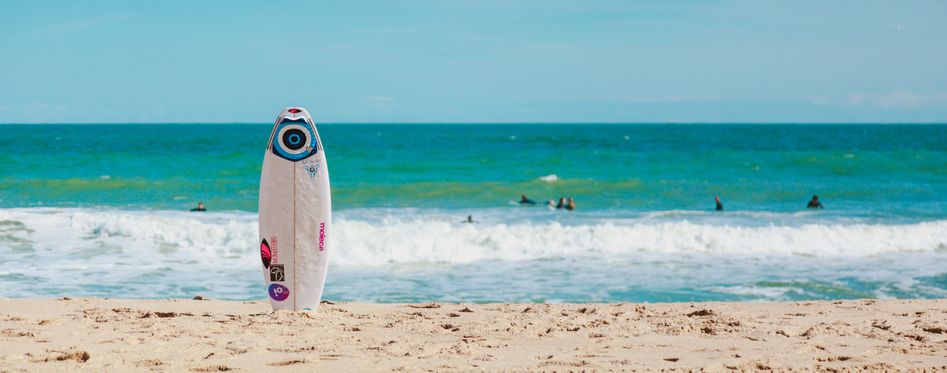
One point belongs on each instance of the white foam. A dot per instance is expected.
(757, 292)
(549, 178)
(431, 241)
(420, 237)
(54, 252)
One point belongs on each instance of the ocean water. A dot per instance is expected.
(101, 210)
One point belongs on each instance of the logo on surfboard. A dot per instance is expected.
(322, 236)
(312, 168)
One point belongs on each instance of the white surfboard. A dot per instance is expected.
(295, 213)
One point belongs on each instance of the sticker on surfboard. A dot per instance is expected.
(265, 254)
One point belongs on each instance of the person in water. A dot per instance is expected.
(562, 203)
(571, 205)
(719, 204)
(526, 201)
(469, 219)
(551, 204)
(199, 208)
(814, 203)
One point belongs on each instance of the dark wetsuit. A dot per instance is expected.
(719, 206)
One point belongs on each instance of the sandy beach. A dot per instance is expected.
(90, 334)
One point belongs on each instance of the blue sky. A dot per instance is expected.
(474, 61)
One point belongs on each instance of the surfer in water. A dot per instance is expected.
(814, 203)
(526, 201)
(562, 203)
(199, 208)
(719, 204)
(469, 219)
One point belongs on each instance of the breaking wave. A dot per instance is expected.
(419, 237)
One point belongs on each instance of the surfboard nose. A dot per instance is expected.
(295, 112)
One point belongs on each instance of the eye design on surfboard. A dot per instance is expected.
(265, 253)
(294, 139)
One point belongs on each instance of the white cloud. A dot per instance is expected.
(857, 99)
(897, 100)
(669, 98)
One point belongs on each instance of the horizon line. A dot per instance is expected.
(494, 122)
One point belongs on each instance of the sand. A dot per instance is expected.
(207, 335)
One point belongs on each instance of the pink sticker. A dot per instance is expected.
(265, 253)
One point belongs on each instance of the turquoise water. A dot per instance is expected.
(861, 169)
(82, 205)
